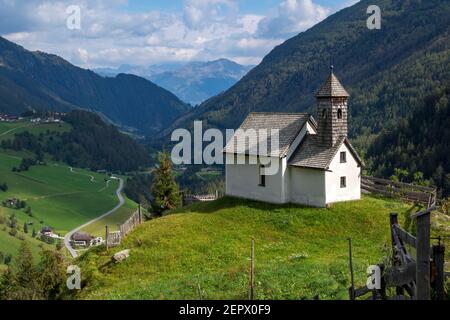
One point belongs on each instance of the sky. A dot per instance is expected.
(138, 32)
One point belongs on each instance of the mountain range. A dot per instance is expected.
(41, 81)
(387, 71)
(193, 82)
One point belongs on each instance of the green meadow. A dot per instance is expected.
(202, 251)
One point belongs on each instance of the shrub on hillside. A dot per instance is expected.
(3, 187)
(13, 232)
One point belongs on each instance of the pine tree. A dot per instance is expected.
(165, 190)
(51, 274)
(25, 275)
(25, 227)
(19, 281)
(34, 233)
(7, 285)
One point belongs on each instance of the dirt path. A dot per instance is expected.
(69, 235)
(87, 175)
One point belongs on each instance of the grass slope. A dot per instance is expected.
(10, 244)
(203, 252)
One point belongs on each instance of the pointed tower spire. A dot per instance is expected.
(332, 88)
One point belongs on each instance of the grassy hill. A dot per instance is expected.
(202, 251)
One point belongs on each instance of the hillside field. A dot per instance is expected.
(58, 196)
(202, 251)
(9, 129)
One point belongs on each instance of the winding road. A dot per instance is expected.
(69, 235)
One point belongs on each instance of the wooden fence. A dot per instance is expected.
(189, 198)
(406, 191)
(114, 238)
(414, 277)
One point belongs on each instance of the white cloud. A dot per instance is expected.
(111, 35)
(293, 17)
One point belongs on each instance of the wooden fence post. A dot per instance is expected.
(252, 271)
(439, 279)
(140, 213)
(393, 221)
(395, 258)
(106, 237)
(423, 291)
(352, 276)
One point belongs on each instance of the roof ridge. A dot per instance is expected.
(280, 113)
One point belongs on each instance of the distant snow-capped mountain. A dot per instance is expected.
(194, 82)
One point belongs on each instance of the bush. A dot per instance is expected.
(3, 187)
(46, 239)
(13, 232)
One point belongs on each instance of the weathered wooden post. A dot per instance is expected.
(140, 213)
(120, 232)
(352, 275)
(252, 271)
(423, 291)
(393, 221)
(106, 237)
(393, 218)
(438, 261)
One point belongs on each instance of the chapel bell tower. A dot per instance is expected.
(332, 110)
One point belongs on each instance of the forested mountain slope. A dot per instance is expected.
(90, 143)
(40, 81)
(418, 144)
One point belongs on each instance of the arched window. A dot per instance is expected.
(339, 114)
(324, 113)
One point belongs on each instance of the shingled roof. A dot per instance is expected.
(288, 124)
(332, 88)
(313, 153)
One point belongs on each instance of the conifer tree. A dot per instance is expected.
(51, 274)
(165, 190)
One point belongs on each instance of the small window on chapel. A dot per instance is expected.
(343, 182)
(339, 114)
(344, 157)
(324, 113)
(262, 176)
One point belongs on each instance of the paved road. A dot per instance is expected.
(68, 236)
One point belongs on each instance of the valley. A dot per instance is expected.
(58, 196)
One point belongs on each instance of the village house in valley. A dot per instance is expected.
(317, 163)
